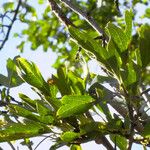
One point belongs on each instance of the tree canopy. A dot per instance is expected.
(75, 106)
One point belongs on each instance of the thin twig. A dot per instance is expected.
(11, 24)
(145, 91)
(130, 110)
(11, 145)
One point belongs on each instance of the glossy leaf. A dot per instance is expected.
(73, 105)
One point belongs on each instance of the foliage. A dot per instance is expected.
(68, 99)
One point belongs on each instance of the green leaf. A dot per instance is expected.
(4, 81)
(82, 39)
(13, 79)
(42, 109)
(38, 106)
(73, 105)
(93, 127)
(69, 136)
(8, 6)
(118, 36)
(77, 84)
(131, 76)
(54, 102)
(68, 99)
(75, 147)
(17, 131)
(31, 74)
(40, 1)
(144, 44)
(113, 57)
(146, 132)
(128, 20)
(20, 111)
(147, 13)
(31, 103)
(62, 81)
(121, 141)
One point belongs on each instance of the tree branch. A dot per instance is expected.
(103, 140)
(84, 14)
(11, 24)
(58, 12)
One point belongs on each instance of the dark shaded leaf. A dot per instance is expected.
(146, 132)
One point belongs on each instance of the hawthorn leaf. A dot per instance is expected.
(82, 39)
(69, 136)
(16, 131)
(74, 105)
(31, 103)
(118, 36)
(42, 109)
(31, 74)
(20, 111)
(92, 127)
